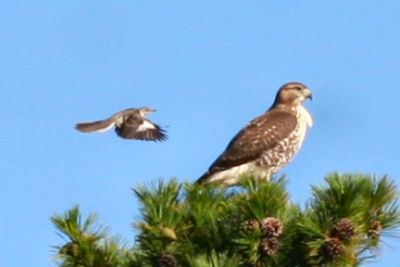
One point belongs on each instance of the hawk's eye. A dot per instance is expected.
(298, 88)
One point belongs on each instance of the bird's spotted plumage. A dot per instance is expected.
(267, 143)
(129, 124)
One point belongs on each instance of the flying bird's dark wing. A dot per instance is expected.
(97, 126)
(139, 128)
(258, 136)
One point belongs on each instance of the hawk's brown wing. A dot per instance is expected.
(138, 128)
(259, 135)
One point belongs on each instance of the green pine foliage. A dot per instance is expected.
(255, 224)
(87, 244)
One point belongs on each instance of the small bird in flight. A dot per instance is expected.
(129, 124)
(268, 142)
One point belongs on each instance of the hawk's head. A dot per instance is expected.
(292, 93)
(146, 110)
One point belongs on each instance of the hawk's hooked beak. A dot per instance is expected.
(307, 93)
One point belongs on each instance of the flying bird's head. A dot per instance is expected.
(292, 93)
(146, 110)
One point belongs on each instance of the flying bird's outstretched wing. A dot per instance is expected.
(142, 129)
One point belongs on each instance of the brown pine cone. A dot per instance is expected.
(343, 229)
(272, 227)
(375, 229)
(333, 247)
(167, 260)
(251, 225)
(269, 245)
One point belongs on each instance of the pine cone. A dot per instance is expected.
(167, 260)
(343, 229)
(375, 229)
(251, 225)
(272, 227)
(334, 247)
(269, 245)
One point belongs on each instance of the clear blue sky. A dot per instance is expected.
(208, 68)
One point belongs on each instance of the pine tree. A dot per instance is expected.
(253, 225)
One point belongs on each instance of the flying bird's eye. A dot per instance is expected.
(298, 88)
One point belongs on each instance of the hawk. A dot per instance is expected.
(129, 124)
(268, 142)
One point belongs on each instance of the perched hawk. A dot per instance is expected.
(129, 124)
(268, 142)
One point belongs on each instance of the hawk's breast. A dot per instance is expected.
(277, 157)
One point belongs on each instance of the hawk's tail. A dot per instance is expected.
(94, 127)
(202, 179)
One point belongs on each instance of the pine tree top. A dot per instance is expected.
(255, 225)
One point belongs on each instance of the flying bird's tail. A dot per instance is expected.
(95, 127)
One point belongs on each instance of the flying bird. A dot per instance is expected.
(266, 144)
(129, 124)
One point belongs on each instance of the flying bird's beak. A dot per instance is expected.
(307, 93)
(146, 110)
